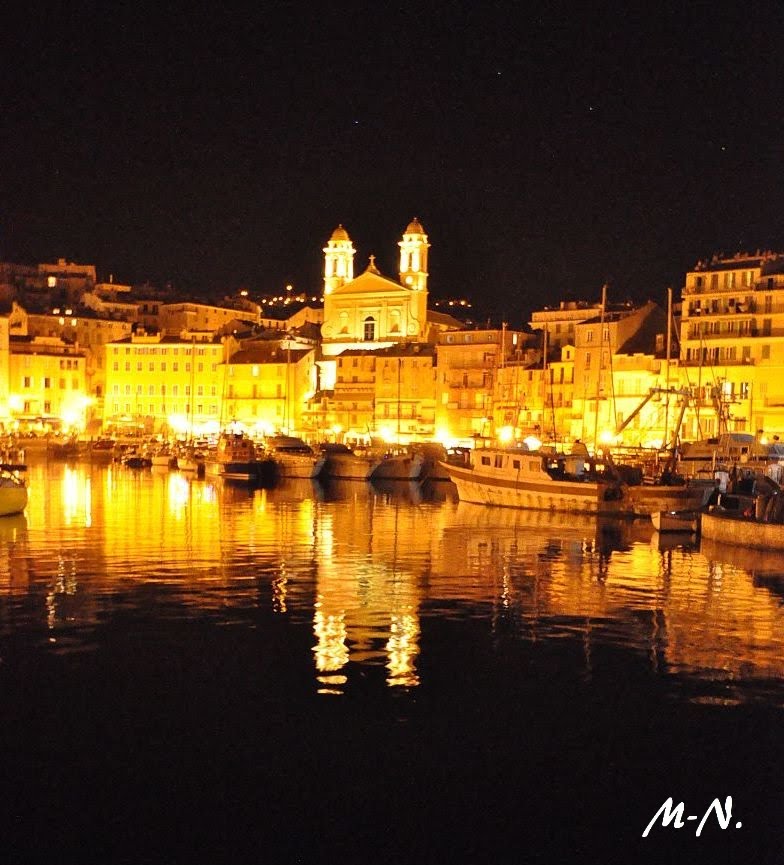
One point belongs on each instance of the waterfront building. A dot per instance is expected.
(47, 384)
(597, 343)
(534, 395)
(388, 393)
(164, 384)
(376, 363)
(85, 330)
(268, 383)
(471, 398)
(732, 343)
(557, 324)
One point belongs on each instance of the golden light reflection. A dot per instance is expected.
(76, 497)
(279, 590)
(331, 651)
(403, 648)
(179, 493)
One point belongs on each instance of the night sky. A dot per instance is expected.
(546, 147)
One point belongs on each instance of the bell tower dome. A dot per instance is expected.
(413, 256)
(338, 260)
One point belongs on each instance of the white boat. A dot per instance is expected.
(13, 493)
(675, 521)
(293, 457)
(519, 478)
(163, 456)
(191, 459)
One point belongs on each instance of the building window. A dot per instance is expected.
(27, 381)
(369, 330)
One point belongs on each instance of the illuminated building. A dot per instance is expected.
(372, 311)
(732, 343)
(84, 329)
(47, 384)
(469, 362)
(267, 383)
(389, 393)
(164, 384)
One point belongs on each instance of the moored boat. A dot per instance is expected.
(136, 459)
(163, 456)
(399, 466)
(235, 458)
(742, 531)
(13, 493)
(676, 521)
(342, 463)
(647, 500)
(102, 450)
(519, 478)
(293, 457)
(191, 459)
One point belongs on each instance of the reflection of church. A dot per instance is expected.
(371, 311)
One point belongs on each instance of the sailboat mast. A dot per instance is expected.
(599, 371)
(667, 368)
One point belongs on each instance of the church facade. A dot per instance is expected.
(371, 311)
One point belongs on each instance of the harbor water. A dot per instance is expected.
(197, 672)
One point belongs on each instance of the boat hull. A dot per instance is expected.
(13, 500)
(645, 501)
(743, 531)
(399, 468)
(352, 467)
(669, 521)
(298, 466)
(585, 497)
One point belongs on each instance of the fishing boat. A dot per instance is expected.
(519, 478)
(293, 458)
(235, 458)
(676, 521)
(13, 493)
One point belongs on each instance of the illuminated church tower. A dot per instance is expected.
(413, 256)
(338, 260)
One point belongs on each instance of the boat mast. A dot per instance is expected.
(599, 371)
(667, 368)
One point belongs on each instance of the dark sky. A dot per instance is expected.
(546, 147)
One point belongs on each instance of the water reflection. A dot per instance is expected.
(369, 569)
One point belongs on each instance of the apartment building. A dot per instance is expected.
(732, 343)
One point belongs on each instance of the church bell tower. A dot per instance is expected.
(413, 256)
(338, 260)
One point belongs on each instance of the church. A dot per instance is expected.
(371, 311)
